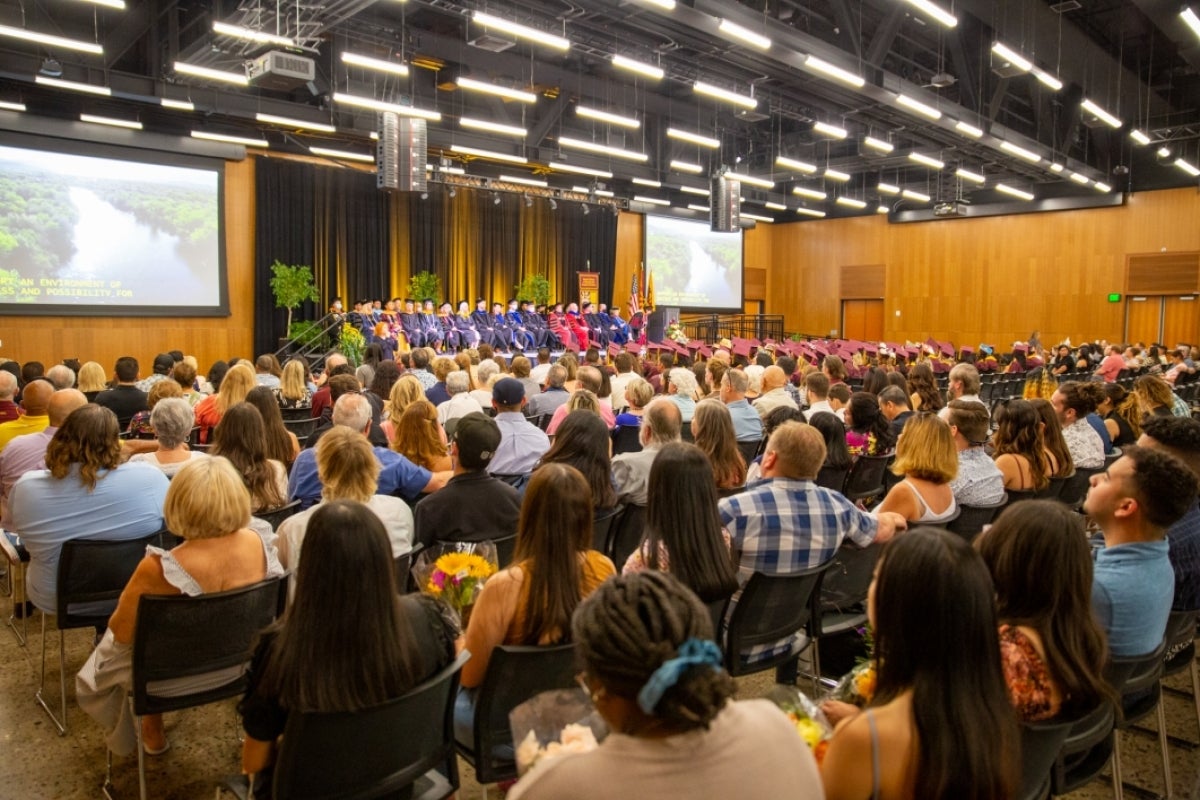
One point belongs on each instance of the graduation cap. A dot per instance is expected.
(614, 350)
(941, 366)
(946, 348)
(986, 349)
(755, 343)
(572, 346)
(966, 350)
(871, 349)
(705, 351)
(724, 344)
(741, 348)
(1020, 347)
(695, 344)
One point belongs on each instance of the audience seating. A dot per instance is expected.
(1181, 653)
(626, 534)
(403, 566)
(302, 428)
(770, 608)
(1052, 490)
(832, 477)
(626, 439)
(1016, 496)
(749, 450)
(1076, 487)
(298, 413)
(207, 639)
(839, 603)
(685, 433)
(505, 547)
(406, 742)
(944, 524)
(1040, 744)
(866, 477)
(278, 515)
(514, 674)
(971, 519)
(1087, 749)
(1111, 457)
(17, 557)
(603, 525)
(194, 437)
(1139, 682)
(90, 579)
(513, 479)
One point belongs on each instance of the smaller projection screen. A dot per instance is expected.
(694, 268)
(89, 230)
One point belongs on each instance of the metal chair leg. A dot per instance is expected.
(18, 599)
(107, 788)
(1117, 781)
(60, 723)
(1196, 691)
(1162, 744)
(141, 753)
(816, 666)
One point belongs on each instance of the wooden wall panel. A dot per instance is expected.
(630, 238)
(1181, 320)
(104, 339)
(1143, 318)
(863, 280)
(1162, 273)
(755, 287)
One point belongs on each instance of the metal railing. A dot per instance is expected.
(714, 327)
(314, 343)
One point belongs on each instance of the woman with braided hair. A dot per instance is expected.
(645, 642)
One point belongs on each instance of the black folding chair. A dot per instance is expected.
(603, 525)
(971, 519)
(297, 413)
(771, 608)
(1040, 744)
(1076, 486)
(627, 439)
(866, 477)
(278, 515)
(626, 534)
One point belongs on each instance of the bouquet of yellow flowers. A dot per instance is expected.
(456, 572)
(810, 722)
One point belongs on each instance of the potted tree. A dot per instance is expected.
(535, 287)
(292, 285)
(425, 285)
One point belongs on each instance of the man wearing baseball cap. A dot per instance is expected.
(522, 443)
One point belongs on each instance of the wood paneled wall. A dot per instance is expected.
(105, 339)
(994, 279)
(631, 235)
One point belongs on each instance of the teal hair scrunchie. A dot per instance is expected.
(693, 652)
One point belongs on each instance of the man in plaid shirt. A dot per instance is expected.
(786, 523)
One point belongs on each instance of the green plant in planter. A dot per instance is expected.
(424, 285)
(352, 344)
(535, 287)
(292, 285)
(308, 335)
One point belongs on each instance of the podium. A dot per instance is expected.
(657, 321)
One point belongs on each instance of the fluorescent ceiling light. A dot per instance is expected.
(775, 206)
(878, 144)
(73, 85)
(881, 210)
(918, 196)
(10, 106)
(756, 217)
(916, 105)
(599, 173)
(1017, 150)
(602, 193)
(524, 181)
(810, 212)
(698, 207)
(1056, 168)
(380, 105)
(968, 129)
(973, 177)
(750, 179)
(836, 175)
(495, 127)
(687, 166)
(1080, 179)
(1163, 152)
(928, 161)
(640, 67)
(344, 155)
(851, 202)
(1012, 57)
(288, 122)
(521, 31)
(117, 4)
(1102, 187)
(1100, 113)
(940, 14)
(746, 35)
(665, 5)
(377, 64)
(51, 40)
(1187, 167)
(694, 138)
(221, 137)
(1047, 79)
(694, 190)
(447, 170)
(829, 130)
(655, 201)
(607, 116)
(498, 91)
(648, 182)
(1013, 192)
(1139, 137)
(1193, 21)
(812, 194)
(799, 166)
(834, 71)
(237, 78)
(593, 147)
(251, 35)
(887, 188)
(178, 105)
(114, 122)
(492, 154)
(700, 87)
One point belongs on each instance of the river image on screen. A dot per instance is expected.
(87, 231)
(693, 267)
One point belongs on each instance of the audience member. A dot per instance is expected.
(1155, 398)
(661, 424)
(587, 396)
(583, 442)
(420, 437)
(61, 377)
(282, 444)
(1019, 447)
(1122, 418)
(241, 437)
(171, 420)
(293, 390)
(773, 394)
(460, 402)
(839, 400)
(35, 400)
(680, 388)
(237, 383)
(124, 398)
(139, 426)
(868, 432)
(1181, 438)
(624, 363)
(521, 442)
(553, 396)
(1112, 364)
(925, 395)
(816, 392)
(1061, 464)
(926, 458)
(1135, 501)
(184, 374)
(638, 394)
(747, 424)
(405, 391)
(28, 453)
(421, 357)
(979, 481)
(964, 385)
(896, 408)
(163, 364)
(92, 381)
(1073, 402)
(712, 431)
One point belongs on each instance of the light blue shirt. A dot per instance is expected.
(521, 445)
(747, 424)
(1132, 589)
(46, 512)
(398, 476)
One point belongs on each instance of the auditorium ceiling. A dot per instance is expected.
(833, 106)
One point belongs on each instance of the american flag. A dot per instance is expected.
(635, 300)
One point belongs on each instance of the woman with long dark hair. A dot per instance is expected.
(554, 568)
(349, 641)
(922, 385)
(282, 444)
(241, 438)
(1121, 415)
(712, 431)
(837, 454)
(940, 724)
(1057, 452)
(582, 441)
(868, 432)
(1019, 447)
(875, 380)
(683, 533)
(1052, 649)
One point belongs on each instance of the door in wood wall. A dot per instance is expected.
(862, 319)
(1143, 318)
(1181, 320)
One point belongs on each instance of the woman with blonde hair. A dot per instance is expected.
(580, 400)
(469, 366)
(1154, 397)
(1121, 415)
(236, 384)
(209, 507)
(92, 380)
(928, 461)
(571, 364)
(420, 438)
(405, 391)
(293, 391)
(712, 431)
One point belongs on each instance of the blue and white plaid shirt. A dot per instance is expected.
(784, 526)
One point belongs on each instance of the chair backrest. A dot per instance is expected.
(92, 575)
(944, 524)
(847, 578)
(627, 439)
(1136, 678)
(1016, 496)
(1111, 457)
(626, 534)
(403, 567)
(1052, 490)
(866, 476)
(749, 449)
(299, 412)
(1086, 750)
(685, 433)
(603, 525)
(505, 547)
(278, 515)
(1076, 486)
(833, 478)
(205, 638)
(514, 675)
(303, 428)
(771, 608)
(373, 752)
(513, 479)
(729, 491)
(971, 519)
(1181, 641)
(1040, 744)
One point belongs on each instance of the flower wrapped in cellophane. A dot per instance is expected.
(810, 722)
(455, 573)
(553, 724)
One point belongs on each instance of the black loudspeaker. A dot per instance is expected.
(401, 153)
(724, 215)
(656, 325)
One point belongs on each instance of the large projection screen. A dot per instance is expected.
(694, 268)
(94, 230)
